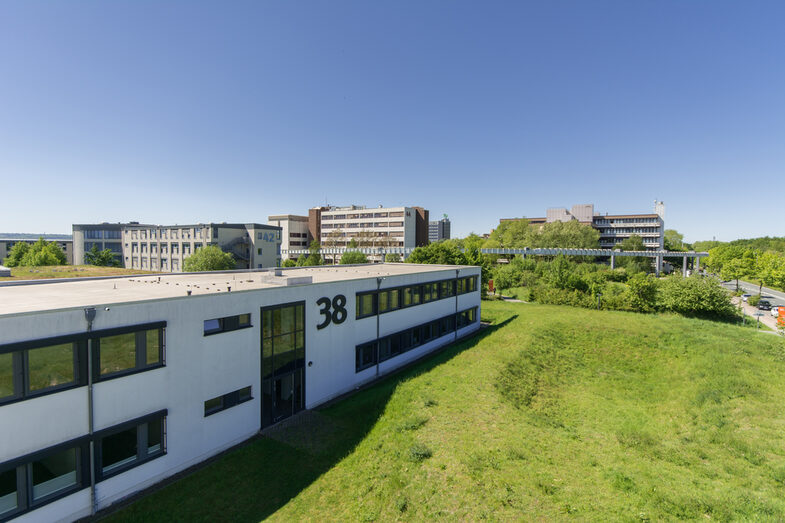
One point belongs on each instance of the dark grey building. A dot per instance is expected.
(439, 230)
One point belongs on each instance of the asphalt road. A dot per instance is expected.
(775, 297)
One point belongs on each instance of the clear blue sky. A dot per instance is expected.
(180, 112)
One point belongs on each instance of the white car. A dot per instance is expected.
(775, 310)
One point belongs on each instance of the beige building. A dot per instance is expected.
(374, 227)
(165, 247)
(6, 244)
(295, 232)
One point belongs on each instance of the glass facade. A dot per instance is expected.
(283, 361)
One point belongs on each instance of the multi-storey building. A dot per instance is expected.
(613, 228)
(6, 244)
(373, 227)
(103, 235)
(108, 386)
(295, 232)
(165, 247)
(439, 230)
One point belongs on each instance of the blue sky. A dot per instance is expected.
(181, 112)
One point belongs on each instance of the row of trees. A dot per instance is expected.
(735, 261)
(38, 254)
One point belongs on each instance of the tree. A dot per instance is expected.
(733, 270)
(40, 253)
(289, 263)
(674, 240)
(353, 257)
(312, 259)
(210, 258)
(442, 253)
(633, 264)
(16, 254)
(392, 258)
(104, 258)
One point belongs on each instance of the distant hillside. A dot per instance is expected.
(34, 236)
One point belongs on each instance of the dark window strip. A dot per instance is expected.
(227, 324)
(378, 351)
(80, 336)
(229, 400)
(426, 288)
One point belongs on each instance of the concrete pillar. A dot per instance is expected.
(697, 264)
(658, 265)
(684, 267)
(613, 261)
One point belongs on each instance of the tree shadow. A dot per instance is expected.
(250, 483)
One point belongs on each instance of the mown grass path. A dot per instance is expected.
(555, 413)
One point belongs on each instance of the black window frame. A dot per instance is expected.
(392, 345)
(435, 290)
(20, 359)
(229, 400)
(227, 324)
(140, 346)
(24, 476)
(141, 425)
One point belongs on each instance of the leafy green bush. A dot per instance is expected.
(695, 296)
(39, 254)
(642, 292)
(754, 300)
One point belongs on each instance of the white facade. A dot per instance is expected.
(169, 385)
(294, 232)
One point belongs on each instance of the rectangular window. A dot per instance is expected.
(6, 378)
(366, 356)
(227, 401)
(446, 289)
(128, 352)
(129, 445)
(366, 305)
(8, 491)
(51, 367)
(226, 324)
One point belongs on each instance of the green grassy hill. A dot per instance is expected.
(553, 412)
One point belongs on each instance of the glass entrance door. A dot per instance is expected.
(283, 361)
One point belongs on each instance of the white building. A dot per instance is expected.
(109, 385)
(294, 232)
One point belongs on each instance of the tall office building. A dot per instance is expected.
(439, 230)
(372, 227)
(613, 228)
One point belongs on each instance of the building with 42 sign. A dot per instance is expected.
(110, 385)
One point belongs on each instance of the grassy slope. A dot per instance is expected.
(66, 271)
(601, 415)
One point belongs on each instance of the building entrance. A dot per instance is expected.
(283, 361)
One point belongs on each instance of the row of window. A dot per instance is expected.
(369, 354)
(365, 215)
(373, 302)
(31, 481)
(101, 234)
(165, 233)
(33, 368)
(361, 225)
(226, 324)
(609, 221)
(227, 401)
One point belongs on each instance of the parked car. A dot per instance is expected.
(764, 305)
(775, 311)
(745, 297)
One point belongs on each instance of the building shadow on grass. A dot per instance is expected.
(253, 481)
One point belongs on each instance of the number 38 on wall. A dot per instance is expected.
(338, 313)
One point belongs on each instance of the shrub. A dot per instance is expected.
(419, 452)
(754, 300)
(696, 296)
(642, 293)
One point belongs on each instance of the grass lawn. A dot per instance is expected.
(553, 412)
(66, 271)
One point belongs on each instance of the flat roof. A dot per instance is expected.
(47, 295)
